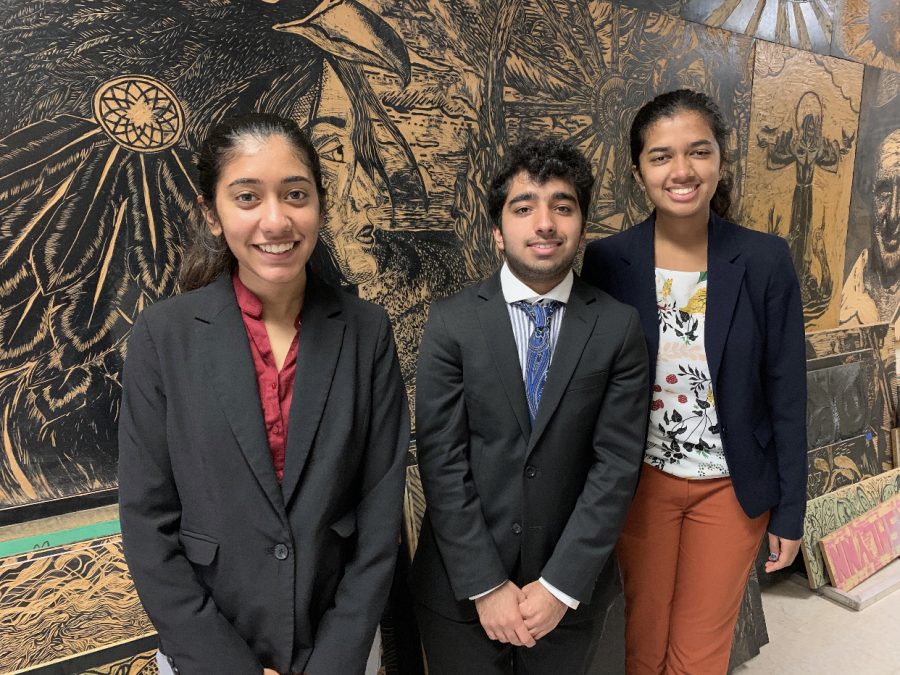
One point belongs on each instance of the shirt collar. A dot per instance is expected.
(246, 299)
(515, 289)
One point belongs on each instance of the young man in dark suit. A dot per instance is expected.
(531, 411)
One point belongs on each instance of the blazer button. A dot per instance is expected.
(281, 551)
(530, 471)
(516, 528)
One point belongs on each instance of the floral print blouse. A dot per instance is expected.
(683, 435)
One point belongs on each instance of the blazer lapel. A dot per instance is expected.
(493, 315)
(321, 338)
(577, 326)
(726, 272)
(638, 283)
(233, 378)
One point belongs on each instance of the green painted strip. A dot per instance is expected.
(59, 538)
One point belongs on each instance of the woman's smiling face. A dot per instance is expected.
(680, 166)
(268, 210)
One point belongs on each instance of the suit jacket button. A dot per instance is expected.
(530, 471)
(516, 528)
(281, 551)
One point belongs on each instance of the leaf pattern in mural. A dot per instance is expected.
(65, 601)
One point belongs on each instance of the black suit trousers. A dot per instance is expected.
(463, 648)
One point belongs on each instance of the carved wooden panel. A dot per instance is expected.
(800, 166)
(842, 463)
(827, 513)
(848, 344)
(868, 31)
(61, 602)
(863, 546)
(805, 24)
(139, 664)
(871, 291)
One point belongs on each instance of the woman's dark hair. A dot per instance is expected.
(669, 105)
(542, 160)
(207, 256)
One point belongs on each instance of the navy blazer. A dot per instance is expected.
(755, 347)
(235, 570)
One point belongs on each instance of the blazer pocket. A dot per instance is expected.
(198, 548)
(763, 432)
(345, 526)
(591, 381)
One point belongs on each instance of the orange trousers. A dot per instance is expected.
(685, 553)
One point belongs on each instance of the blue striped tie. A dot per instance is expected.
(537, 362)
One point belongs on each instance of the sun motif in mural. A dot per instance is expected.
(799, 23)
(870, 33)
(139, 113)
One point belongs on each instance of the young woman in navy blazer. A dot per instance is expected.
(263, 432)
(725, 456)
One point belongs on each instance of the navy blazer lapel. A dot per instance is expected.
(726, 272)
(577, 326)
(638, 283)
(321, 338)
(233, 378)
(493, 314)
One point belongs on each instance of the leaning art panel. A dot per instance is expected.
(800, 166)
(863, 546)
(827, 513)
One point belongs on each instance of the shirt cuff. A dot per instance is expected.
(567, 600)
(481, 595)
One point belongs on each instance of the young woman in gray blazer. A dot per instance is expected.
(263, 431)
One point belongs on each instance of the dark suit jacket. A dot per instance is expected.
(548, 500)
(234, 570)
(755, 348)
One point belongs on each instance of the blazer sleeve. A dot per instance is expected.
(442, 433)
(346, 630)
(618, 444)
(192, 630)
(785, 383)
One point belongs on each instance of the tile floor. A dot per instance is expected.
(811, 635)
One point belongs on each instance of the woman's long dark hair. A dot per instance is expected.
(207, 256)
(685, 100)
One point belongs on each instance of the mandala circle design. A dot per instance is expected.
(139, 113)
(608, 106)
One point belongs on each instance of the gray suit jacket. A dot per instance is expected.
(549, 500)
(235, 570)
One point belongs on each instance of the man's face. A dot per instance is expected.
(541, 230)
(887, 208)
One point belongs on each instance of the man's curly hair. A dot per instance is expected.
(542, 159)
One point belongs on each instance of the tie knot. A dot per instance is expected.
(539, 312)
